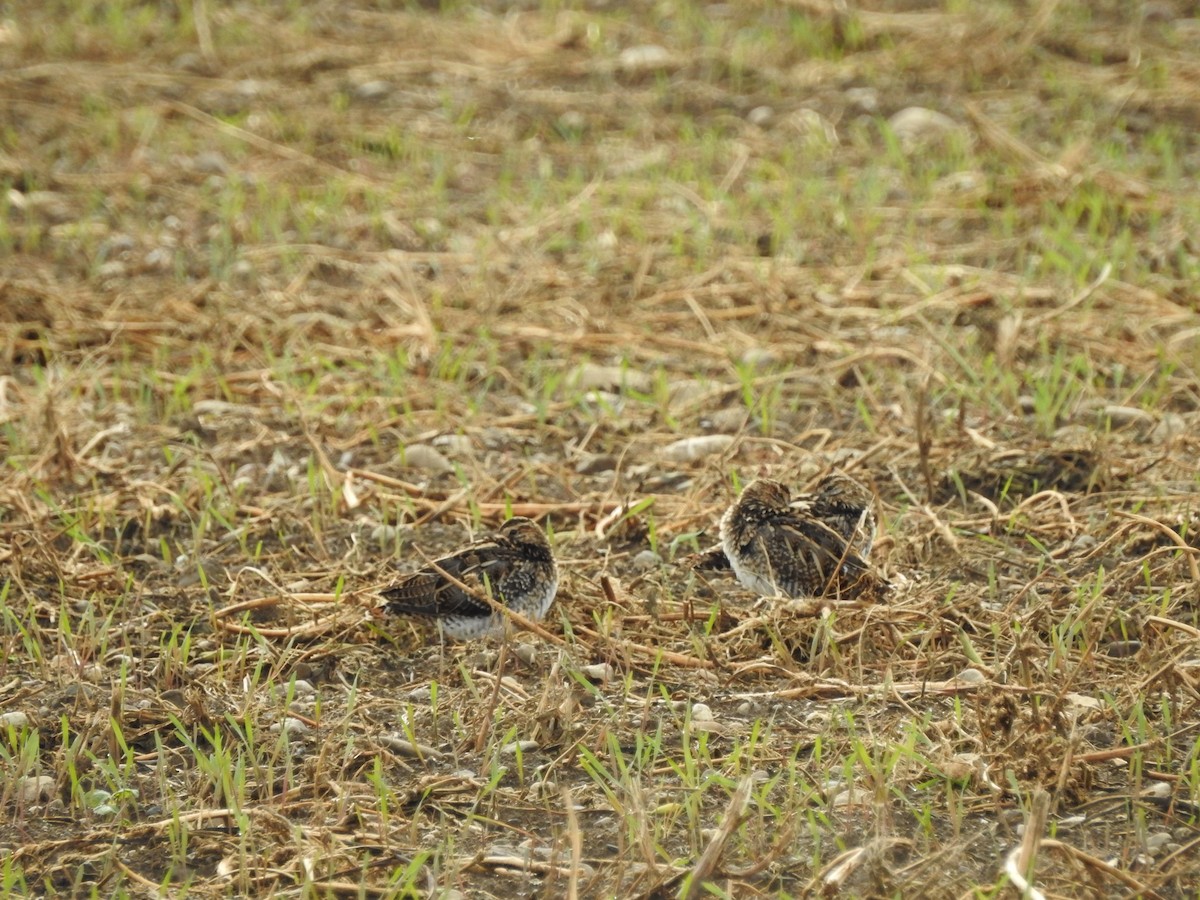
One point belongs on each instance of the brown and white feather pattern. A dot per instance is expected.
(845, 506)
(515, 566)
(774, 547)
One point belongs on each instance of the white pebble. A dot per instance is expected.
(34, 788)
(760, 115)
(645, 561)
(294, 728)
(1160, 789)
(598, 672)
(15, 719)
(302, 688)
(916, 125)
(693, 448)
(423, 456)
(643, 57)
(526, 653)
(1156, 842)
(1168, 426)
(372, 91)
(454, 444)
(523, 746)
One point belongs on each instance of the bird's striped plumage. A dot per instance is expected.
(515, 566)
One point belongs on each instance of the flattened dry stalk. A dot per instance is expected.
(649, 653)
(575, 838)
(488, 719)
(735, 812)
(1018, 866)
(924, 439)
(346, 614)
(1189, 552)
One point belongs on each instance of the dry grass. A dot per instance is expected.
(293, 294)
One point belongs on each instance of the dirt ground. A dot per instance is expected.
(296, 296)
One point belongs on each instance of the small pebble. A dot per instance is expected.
(572, 121)
(423, 456)
(373, 91)
(158, 259)
(701, 712)
(960, 767)
(694, 448)
(604, 401)
(190, 62)
(1155, 843)
(35, 788)
(1160, 789)
(454, 444)
(645, 561)
(1168, 426)
(916, 126)
(547, 788)
(303, 688)
(600, 672)
(971, 676)
(864, 99)
(758, 358)
(1083, 543)
(116, 245)
(964, 182)
(732, 420)
(643, 57)
(16, 720)
(589, 376)
(523, 746)
(526, 653)
(294, 728)
(846, 798)
(210, 162)
(386, 534)
(408, 748)
(760, 115)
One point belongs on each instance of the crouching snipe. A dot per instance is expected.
(515, 567)
(807, 548)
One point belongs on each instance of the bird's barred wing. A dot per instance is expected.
(813, 540)
(821, 560)
(430, 592)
